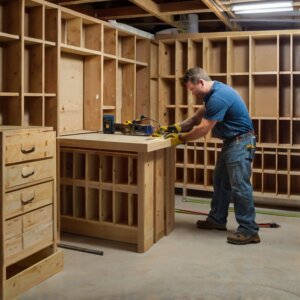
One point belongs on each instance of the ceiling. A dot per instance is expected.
(213, 15)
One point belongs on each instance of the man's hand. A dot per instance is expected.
(175, 139)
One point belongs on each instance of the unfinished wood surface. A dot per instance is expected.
(74, 32)
(33, 275)
(71, 93)
(92, 92)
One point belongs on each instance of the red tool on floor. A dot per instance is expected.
(199, 213)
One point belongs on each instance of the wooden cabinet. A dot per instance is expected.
(28, 207)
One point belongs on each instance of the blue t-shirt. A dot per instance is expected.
(225, 105)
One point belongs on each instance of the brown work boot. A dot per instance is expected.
(210, 224)
(243, 238)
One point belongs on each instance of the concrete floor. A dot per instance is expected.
(188, 264)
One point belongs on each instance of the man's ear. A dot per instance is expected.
(201, 81)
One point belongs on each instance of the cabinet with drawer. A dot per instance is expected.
(28, 205)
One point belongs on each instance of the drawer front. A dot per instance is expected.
(13, 227)
(29, 230)
(37, 217)
(28, 199)
(13, 245)
(29, 172)
(29, 146)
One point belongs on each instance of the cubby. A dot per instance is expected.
(133, 171)
(190, 175)
(33, 19)
(261, 46)
(121, 208)
(296, 51)
(109, 82)
(257, 182)
(296, 96)
(239, 55)
(195, 54)
(91, 36)
(285, 95)
(268, 133)
(295, 185)
(67, 200)
(209, 178)
(295, 162)
(167, 58)
(264, 96)
(66, 164)
(74, 32)
(257, 162)
(179, 175)
(284, 132)
(51, 24)
(285, 53)
(181, 57)
(51, 64)
(121, 170)
(210, 158)
(200, 157)
(106, 206)
(79, 166)
(167, 93)
(110, 40)
(190, 156)
(79, 202)
(269, 161)
(296, 132)
(269, 183)
(10, 21)
(282, 162)
(133, 210)
(33, 69)
(92, 205)
(106, 169)
(169, 116)
(93, 167)
(241, 85)
(10, 111)
(181, 94)
(221, 78)
(182, 114)
(179, 155)
(126, 46)
(282, 184)
(142, 52)
(217, 56)
(199, 176)
(33, 111)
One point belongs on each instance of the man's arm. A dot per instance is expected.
(189, 123)
(199, 131)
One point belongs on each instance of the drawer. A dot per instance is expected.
(29, 230)
(32, 145)
(12, 227)
(27, 199)
(29, 172)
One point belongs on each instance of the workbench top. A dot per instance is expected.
(118, 142)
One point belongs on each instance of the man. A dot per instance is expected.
(224, 113)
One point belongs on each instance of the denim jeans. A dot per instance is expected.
(231, 181)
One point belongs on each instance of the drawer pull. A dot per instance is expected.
(27, 172)
(25, 150)
(30, 200)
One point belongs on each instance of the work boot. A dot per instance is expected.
(243, 238)
(210, 224)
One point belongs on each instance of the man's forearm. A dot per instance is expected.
(196, 119)
(195, 134)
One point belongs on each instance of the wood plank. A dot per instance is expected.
(71, 93)
(154, 9)
(92, 93)
(146, 201)
(103, 230)
(33, 275)
(159, 207)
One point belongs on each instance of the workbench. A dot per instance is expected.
(117, 187)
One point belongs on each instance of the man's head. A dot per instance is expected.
(197, 81)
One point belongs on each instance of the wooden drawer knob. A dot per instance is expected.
(27, 198)
(27, 172)
(27, 149)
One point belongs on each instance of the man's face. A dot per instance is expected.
(197, 89)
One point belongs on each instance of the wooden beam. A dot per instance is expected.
(121, 13)
(181, 7)
(211, 4)
(154, 9)
(77, 2)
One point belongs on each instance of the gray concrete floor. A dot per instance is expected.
(188, 264)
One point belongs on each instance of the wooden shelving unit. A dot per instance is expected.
(264, 68)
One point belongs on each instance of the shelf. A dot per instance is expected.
(6, 37)
(110, 40)
(296, 132)
(195, 53)
(92, 205)
(269, 183)
(142, 53)
(241, 85)
(73, 32)
(181, 58)
(284, 96)
(296, 96)
(282, 183)
(126, 46)
(295, 185)
(10, 111)
(33, 20)
(167, 91)
(51, 25)
(296, 51)
(9, 94)
(268, 132)
(167, 58)
(33, 111)
(92, 37)
(109, 82)
(284, 132)
(260, 47)
(79, 202)
(106, 206)
(78, 50)
(239, 55)
(32, 41)
(217, 56)
(285, 53)
(264, 93)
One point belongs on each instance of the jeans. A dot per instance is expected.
(231, 181)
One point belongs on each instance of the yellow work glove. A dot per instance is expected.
(177, 126)
(175, 139)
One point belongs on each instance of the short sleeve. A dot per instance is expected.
(215, 109)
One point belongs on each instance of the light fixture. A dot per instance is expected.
(264, 7)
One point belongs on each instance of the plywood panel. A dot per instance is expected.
(71, 93)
